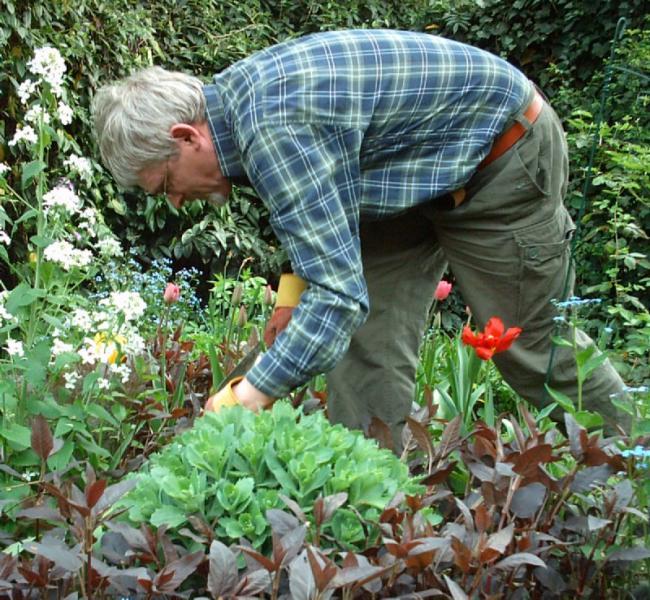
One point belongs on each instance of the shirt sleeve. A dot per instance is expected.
(308, 176)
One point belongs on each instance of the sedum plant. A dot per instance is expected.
(233, 466)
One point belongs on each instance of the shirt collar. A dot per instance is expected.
(227, 153)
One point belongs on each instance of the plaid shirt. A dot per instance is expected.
(340, 126)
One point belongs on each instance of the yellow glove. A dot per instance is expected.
(224, 397)
(290, 289)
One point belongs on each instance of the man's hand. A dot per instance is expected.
(289, 291)
(239, 391)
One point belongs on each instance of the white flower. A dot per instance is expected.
(88, 353)
(64, 197)
(79, 164)
(4, 168)
(26, 89)
(49, 64)
(35, 113)
(15, 348)
(64, 113)
(81, 319)
(103, 384)
(109, 247)
(66, 255)
(59, 347)
(4, 238)
(71, 380)
(123, 371)
(129, 303)
(25, 133)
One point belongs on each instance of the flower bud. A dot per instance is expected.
(237, 294)
(443, 290)
(242, 318)
(172, 293)
(268, 296)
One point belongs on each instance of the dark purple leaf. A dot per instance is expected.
(527, 500)
(94, 492)
(292, 542)
(254, 583)
(133, 536)
(113, 493)
(294, 507)
(115, 547)
(439, 475)
(332, 503)
(56, 551)
(500, 540)
(624, 493)
(585, 479)
(450, 437)
(573, 430)
(522, 558)
(629, 554)
(40, 512)
(281, 522)
(550, 579)
(42, 442)
(222, 577)
(179, 570)
(381, 432)
(527, 462)
(455, 590)
(301, 579)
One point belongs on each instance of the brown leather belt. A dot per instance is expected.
(505, 141)
(514, 133)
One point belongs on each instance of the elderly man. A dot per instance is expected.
(381, 156)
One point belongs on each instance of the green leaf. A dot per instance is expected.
(592, 364)
(18, 436)
(588, 419)
(168, 515)
(30, 171)
(563, 400)
(61, 458)
(101, 413)
(41, 241)
(22, 295)
(560, 341)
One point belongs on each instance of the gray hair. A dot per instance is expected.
(133, 118)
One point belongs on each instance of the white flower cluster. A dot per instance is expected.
(4, 168)
(4, 238)
(109, 247)
(49, 64)
(64, 112)
(63, 197)
(26, 134)
(14, 348)
(79, 164)
(26, 89)
(66, 255)
(36, 113)
(130, 304)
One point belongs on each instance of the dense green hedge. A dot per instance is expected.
(556, 43)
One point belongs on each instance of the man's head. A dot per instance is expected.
(153, 134)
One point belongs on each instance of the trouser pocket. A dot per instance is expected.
(544, 267)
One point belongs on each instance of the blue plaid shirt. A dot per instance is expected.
(340, 126)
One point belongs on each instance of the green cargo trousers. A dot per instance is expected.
(508, 246)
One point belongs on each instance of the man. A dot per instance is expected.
(380, 155)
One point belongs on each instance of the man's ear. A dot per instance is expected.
(184, 133)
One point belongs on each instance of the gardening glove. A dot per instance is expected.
(289, 291)
(224, 397)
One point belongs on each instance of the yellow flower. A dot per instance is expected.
(109, 348)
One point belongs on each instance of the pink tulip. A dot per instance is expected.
(172, 293)
(443, 290)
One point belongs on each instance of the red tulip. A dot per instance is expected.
(492, 339)
(443, 290)
(172, 293)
